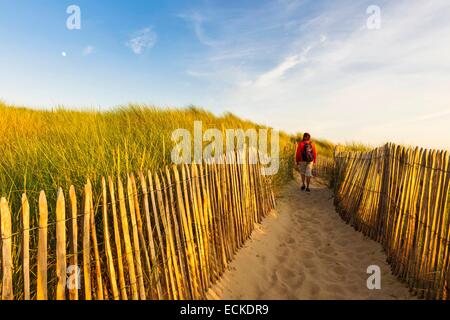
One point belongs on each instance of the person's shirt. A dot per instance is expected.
(301, 147)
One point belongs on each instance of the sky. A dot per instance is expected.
(337, 69)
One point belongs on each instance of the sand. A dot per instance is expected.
(303, 250)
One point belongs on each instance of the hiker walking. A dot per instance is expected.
(305, 157)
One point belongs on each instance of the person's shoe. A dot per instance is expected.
(308, 190)
(303, 188)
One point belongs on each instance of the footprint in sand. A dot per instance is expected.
(290, 240)
(354, 288)
(314, 289)
(341, 241)
(309, 264)
(284, 251)
(274, 277)
(262, 258)
(305, 254)
(281, 287)
(315, 221)
(313, 272)
(299, 280)
(287, 273)
(316, 240)
(363, 256)
(335, 288)
(281, 258)
(340, 270)
(327, 250)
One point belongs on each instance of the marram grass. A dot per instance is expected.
(45, 150)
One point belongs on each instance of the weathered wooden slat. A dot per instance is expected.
(118, 242)
(174, 226)
(73, 289)
(129, 254)
(135, 237)
(143, 242)
(154, 267)
(99, 292)
(198, 223)
(61, 262)
(107, 243)
(171, 241)
(187, 235)
(159, 248)
(172, 266)
(41, 293)
(209, 221)
(6, 241)
(26, 246)
(191, 229)
(87, 243)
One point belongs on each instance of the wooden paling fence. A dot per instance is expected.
(166, 235)
(324, 167)
(400, 197)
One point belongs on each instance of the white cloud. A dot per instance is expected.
(273, 75)
(88, 50)
(197, 21)
(279, 71)
(198, 74)
(142, 40)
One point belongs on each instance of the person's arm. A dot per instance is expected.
(298, 153)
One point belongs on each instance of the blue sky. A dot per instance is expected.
(292, 64)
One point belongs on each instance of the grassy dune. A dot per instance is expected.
(44, 150)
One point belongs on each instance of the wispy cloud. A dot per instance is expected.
(88, 50)
(197, 21)
(423, 118)
(279, 71)
(142, 40)
(198, 74)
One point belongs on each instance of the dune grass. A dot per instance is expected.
(48, 149)
(45, 150)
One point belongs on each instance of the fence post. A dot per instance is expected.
(106, 239)
(127, 241)
(73, 291)
(61, 266)
(135, 238)
(7, 263)
(118, 242)
(87, 243)
(382, 207)
(42, 249)
(26, 246)
(155, 271)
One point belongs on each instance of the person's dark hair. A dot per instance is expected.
(306, 137)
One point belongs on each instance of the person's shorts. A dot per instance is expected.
(306, 168)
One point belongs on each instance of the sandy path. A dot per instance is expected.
(305, 251)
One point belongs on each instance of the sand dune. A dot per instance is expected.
(305, 251)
